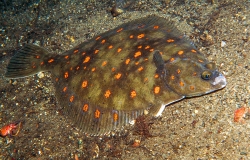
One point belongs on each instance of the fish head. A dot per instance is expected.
(193, 78)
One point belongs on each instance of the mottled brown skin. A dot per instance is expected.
(109, 81)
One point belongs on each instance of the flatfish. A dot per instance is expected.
(107, 82)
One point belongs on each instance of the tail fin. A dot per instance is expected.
(28, 61)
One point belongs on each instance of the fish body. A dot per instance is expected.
(107, 82)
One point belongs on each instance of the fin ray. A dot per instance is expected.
(27, 61)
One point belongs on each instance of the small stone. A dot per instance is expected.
(136, 143)
(145, 112)
(132, 122)
(223, 44)
(14, 83)
(40, 75)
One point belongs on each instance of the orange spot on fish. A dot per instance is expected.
(119, 50)
(157, 90)
(119, 30)
(136, 63)
(118, 76)
(104, 63)
(131, 36)
(145, 79)
(37, 57)
(86, 59)
(181, 83)
(97, 38)
(93, 69)
(85, 107)
(71, 99)
(139, 47)
(64, 89)
(77, 68)
(83, 53)
(96, 51)
(33, 66)
(156, 27)
(194, 51)
(137, 54)
(66, 74)
(75, 51)
(191, 88)
(110, 47)
(140, 69)
(113, 69)
(133, 94)
(178, 71)
(172, 77)
(172, 59)
(57, 79)
(141, 36)
(170, 40)
(156, 76)
(97, 113)
(107, 94)
(115, 116)
(147, 47)
(127, 61)
(71, 68)
(194, 74)
(151, 50)
(66, 57)
(42, 63)
(103, 41)
(180, 52)
(84, 84)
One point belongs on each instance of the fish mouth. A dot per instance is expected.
(220, 81)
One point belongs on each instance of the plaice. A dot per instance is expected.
(107, 82)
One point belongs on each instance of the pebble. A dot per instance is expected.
(196, 111)
(40, 75)
(14, 83)
(223, 44)
(145, 112)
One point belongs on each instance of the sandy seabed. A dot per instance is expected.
(196, 128)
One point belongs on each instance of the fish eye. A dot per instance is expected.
(206, 75)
